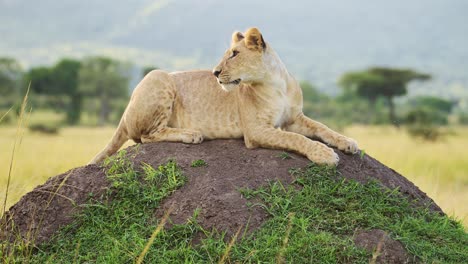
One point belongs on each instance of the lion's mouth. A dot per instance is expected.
(231, 82)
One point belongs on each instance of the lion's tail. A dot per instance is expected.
(118, 139)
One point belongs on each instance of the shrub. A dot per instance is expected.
(463, 118)
(425, 123)
(51, 129)
(425, 131)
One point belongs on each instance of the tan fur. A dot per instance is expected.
(264, 106)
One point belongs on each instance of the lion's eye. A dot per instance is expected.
(234, 53)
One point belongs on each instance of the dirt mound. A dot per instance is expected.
(213, 188)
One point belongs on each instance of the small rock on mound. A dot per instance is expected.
(214, 188)
(383, 248)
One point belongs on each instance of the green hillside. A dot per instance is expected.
(318, 40)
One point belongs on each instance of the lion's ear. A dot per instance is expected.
(254, 40)
(236, 37)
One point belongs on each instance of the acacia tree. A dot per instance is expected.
(65, 80)
(61, 80)
(104, 78)
(381, 82)
(41, 80)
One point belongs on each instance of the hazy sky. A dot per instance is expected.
(317, 39)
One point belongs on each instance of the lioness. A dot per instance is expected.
(250, 94)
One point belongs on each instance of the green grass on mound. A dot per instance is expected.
(312, 224)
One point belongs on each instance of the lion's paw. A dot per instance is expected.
(193, 137)
(324, 156)
(347, 145)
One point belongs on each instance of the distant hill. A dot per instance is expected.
(318, 40)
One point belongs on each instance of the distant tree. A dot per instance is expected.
(425, 123)
(147, 69)
(426, 116)
(10, 75)
(338, 111)
(463, 118)
(106, 79)
(432, 103)
(381, 82)
(41, 80)
(59, 81)
(65, 80)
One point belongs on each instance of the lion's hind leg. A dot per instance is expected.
(152, 108)
(159, 131)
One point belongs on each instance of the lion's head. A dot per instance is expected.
(243, 62)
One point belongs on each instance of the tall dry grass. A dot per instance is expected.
(42, 156)
(22, 121)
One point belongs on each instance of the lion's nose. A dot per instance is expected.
(216, 73)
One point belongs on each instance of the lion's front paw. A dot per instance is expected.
(348, 145)
(324, 155)
(194, 137)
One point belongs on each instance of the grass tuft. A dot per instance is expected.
(284, 155)
(198, 163)
(280, 256)
(229, 246)
(153, 236)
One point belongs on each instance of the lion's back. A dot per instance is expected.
(203, 105)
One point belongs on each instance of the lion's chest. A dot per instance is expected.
(281, 111)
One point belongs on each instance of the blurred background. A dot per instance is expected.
(391, 74)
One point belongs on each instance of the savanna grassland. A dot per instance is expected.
(438, 168)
